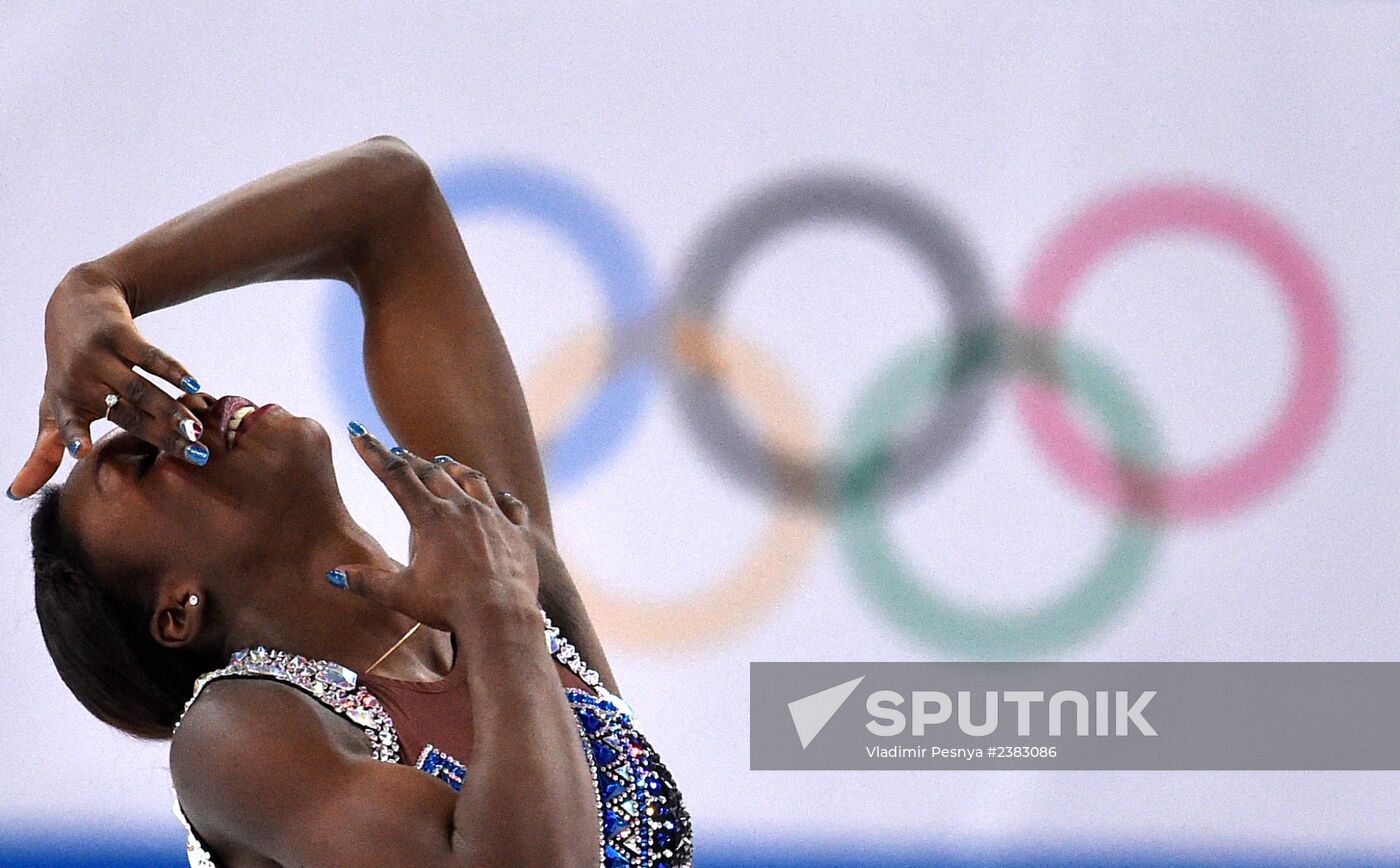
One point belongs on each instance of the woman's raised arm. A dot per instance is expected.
(308, 220)
(371, 215)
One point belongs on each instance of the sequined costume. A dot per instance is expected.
(641, 818)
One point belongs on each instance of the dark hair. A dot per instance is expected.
(98, 634)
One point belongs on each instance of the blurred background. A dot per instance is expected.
(735, 250)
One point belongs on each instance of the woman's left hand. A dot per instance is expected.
(472, 548)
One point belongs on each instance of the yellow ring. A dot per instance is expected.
(555, 390)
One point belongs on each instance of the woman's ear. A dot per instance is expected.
(179, 614)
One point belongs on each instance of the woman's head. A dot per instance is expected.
(145, 564)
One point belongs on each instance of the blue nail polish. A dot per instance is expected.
(338, 578)
(399, 450)
(189, 384)
(196, 454)
(74, 446)
(442, 459)
(356, 429)
(10, 494)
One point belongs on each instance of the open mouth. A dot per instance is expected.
(235, 417)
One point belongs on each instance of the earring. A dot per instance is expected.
(193, 600)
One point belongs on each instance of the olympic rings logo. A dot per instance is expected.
(913, 420)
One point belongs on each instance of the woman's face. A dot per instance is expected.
(267, 489)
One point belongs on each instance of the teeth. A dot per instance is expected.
(237, 418)
(233, 422)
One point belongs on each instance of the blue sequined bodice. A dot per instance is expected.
(641, 818)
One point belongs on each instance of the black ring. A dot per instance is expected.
(730, 243)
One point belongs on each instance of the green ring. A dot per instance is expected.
(893, 403)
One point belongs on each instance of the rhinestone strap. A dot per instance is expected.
(335, 686)
(564, 651)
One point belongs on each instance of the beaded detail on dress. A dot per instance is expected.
(641, 818)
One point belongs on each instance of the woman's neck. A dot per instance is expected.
(300, 612)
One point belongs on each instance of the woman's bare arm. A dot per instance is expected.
(372, 216)
(438, 368)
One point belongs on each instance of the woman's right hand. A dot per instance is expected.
(473, 552)
(91, 345)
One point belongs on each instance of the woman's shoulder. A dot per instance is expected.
(252, 755)
(244, 736)
(264, 705)
(241, 728)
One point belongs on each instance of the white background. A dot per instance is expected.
(1010, 116)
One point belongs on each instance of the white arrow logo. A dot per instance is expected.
(811, 713)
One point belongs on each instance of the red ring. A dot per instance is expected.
(1127, 217)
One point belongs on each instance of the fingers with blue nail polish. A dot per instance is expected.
(338, 578)
(10, 494)
(189, 384)
(442, 459)
(197, 454)
(399, 450)
(74, 446)
(356, 429)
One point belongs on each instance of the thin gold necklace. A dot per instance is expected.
(382, 657)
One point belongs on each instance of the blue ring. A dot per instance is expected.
(605, 244)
